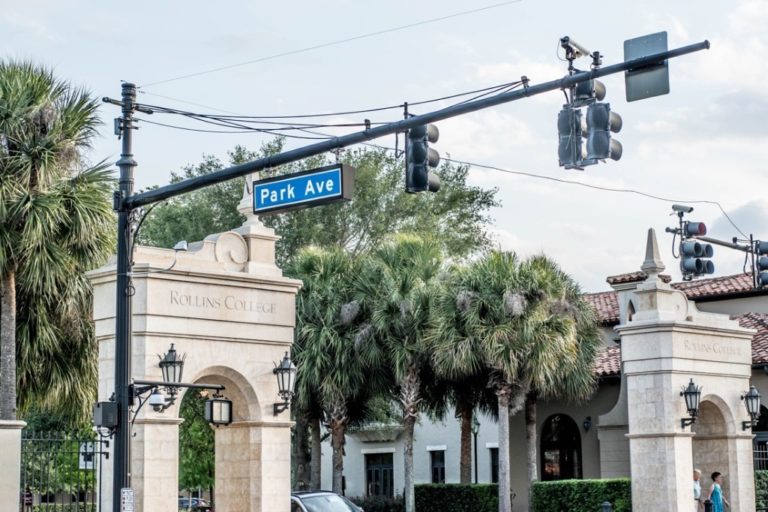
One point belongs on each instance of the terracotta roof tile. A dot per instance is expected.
(608, 362)
(757, 321)
(632, 277)
(606, 305)
(716, 286)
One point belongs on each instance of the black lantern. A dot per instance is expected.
(752, 402)
(587, 423)
(692, 395)
(172, 366)
(218, 410)
(286, 378)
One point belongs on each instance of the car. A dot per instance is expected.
(194, 505)
(321, 501)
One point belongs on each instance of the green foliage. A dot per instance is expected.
(379, 503)
(582, 495)
(196, 444)
(57, 222)
(761, 489)
(456, 216)
(457, 498)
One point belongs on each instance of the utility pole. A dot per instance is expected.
(123, 313)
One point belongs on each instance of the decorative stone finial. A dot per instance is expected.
(246, 204)
(652, 265)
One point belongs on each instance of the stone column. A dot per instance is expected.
(10, 462)
(666, 343)
(155, 464)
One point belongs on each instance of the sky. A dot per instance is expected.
(705, 141)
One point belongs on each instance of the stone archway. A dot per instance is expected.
(710, 443)
(229, 308)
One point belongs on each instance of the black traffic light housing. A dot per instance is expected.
(420, 159)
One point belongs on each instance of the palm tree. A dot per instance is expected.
(496, 318)
(334, 353)
(56, 224)
(568, 337)
(459, 366)
(400, 282)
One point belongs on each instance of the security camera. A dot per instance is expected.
(575, 48)
(681, 208)
(157, 401)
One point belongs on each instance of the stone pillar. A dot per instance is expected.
(666, 343)
(10, 462)
(227, 306)
(155, 463)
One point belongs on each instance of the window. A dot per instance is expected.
(379, 474)
(560, 449)
(437, 463)
(494, 465)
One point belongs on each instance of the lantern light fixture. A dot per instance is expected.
(692, 395)
(286, 380)
(752, 402)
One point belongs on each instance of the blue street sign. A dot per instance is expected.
(303, 189)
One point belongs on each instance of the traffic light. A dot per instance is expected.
(420, 158)
(569, 129)
(601, 121)
(761, 248)
(694, 255)
(587, 92)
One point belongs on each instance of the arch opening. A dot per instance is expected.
(560, 449)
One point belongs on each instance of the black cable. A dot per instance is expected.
(248, 130)
(332, 43)
(234, 116)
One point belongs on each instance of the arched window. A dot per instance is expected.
(560, 449)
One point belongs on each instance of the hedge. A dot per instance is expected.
(379, 503)
(761, 489)
(456, 498)
(582, 495)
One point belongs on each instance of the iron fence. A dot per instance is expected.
(60, 472)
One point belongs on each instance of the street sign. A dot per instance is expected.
(648, 81)
(303, 189)
(126, 500)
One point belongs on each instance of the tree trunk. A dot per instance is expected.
(409, 398)
(337, 442)
(532, 442)
(503, 392)
(299, 458)
(8, 347)
(408, 422)
(316, 454)
(465, 465)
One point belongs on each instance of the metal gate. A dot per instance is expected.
(60, 472)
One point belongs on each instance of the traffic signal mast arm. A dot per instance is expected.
(189, 185)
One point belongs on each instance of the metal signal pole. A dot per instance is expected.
(123, 312)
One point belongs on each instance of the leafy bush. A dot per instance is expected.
(457, 498)
(761, 489)
(379, 503)
(582, 495)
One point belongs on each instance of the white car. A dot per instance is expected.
(321, 501)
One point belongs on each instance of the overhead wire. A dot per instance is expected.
(332, 43)
(321, 136)
(234, 115)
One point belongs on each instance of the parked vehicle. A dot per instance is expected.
(194, 505)
(321, 501)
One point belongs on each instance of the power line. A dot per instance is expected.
(234, 115)
(333, 43)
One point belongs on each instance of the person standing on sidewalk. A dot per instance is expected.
(697, 490)
(716, 493)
